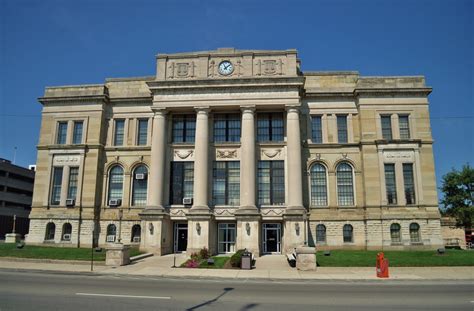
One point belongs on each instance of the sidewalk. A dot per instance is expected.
(267, 267)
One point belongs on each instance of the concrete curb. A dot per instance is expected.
(57, 261)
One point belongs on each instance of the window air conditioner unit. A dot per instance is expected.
(70, 202)
(187, 201)
(110, 238)
(141, 176)
(115, 202)
(136, 239)
(66, 237)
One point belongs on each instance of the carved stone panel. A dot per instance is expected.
(398, 156)
(66, 160)
(183, 154)
(223, 154)
(272, 154)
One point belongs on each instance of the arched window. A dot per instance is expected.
(319, 196)
(115, 183)
(395, 233)
(136, 233)
(415, 232)
(67, 229)
(347, 232)
(140, 185)
(320, 233)
(50, 230)
(345, 185)
(111, 232)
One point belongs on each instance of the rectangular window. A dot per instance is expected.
(142, 132)
(270, 127)
(62, 133)
(182, 178)
(390, 183)
(184, 128)
(409, 183)
(119, 132)
(77, 133)
(72, 183)
(56, 189)
(342, 129)
(316, 130)
(226, 183)
(386, 127)
(404, 127)
(271, 182)
(226, 128)
(226, 238)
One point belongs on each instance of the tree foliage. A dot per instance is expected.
(458, 190)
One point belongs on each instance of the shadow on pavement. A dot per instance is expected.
(227, 289)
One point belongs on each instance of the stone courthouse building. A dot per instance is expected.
(232, 149)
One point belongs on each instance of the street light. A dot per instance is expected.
(120, 225)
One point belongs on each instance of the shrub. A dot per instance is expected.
(195, 256)
(204, 253)
(192, 263)
(236, 259)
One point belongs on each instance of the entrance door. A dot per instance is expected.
(271, 238)
(180, 237)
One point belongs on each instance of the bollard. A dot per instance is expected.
(381, 266)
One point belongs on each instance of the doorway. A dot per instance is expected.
(180, 237)
(271, 238)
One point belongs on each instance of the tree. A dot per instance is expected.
(458, 189)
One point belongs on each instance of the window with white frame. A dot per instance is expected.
(72, 182)
(386, 122)
(404, 125)
(347, 233)
(226, 237)
(390, 183)
(415, 233)
(395, 234)
(115, 183)
(319, 196)
(271, 182)
(345, 184)
(56, 186)
(140, 185)
(320, 233)
(62, 133)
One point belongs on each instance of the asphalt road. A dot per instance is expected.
(46, 291)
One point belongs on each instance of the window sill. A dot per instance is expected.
(273, 206)
(227, 144)
(226, 206)
(319, 206)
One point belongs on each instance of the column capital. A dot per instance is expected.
(159, 111)
(202, 109)
(292, 108)
(248, 109)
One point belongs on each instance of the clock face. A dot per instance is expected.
(226, 68)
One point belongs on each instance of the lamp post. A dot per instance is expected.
(14, 223)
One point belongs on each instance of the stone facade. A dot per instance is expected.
(312, 149)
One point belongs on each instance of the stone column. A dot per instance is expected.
(295, 176)
(247, 163)
(157, 165)
(247, 216)
(201, 152)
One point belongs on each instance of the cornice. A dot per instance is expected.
(84, 98)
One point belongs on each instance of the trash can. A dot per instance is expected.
(246, 262)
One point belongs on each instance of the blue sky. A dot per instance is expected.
(46, 43)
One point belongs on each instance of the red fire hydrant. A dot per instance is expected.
(381, 266)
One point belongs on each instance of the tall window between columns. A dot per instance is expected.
(226, 183)
(409, 183)
(319, 196)
(139, 186)
(342, 129)
(182, 178)
(390, 183)
(115, 183)
(271, 182)
(316, 130)
(270, 127)
(227, 127)
(184, 128)
(345, 185)
(56, 187)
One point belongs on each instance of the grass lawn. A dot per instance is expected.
(219, 262)
(59, 253)
(340, 258)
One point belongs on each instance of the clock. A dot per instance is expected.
(226, 68)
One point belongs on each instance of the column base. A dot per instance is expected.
(248, 231)
(157, 232)
(201, 233)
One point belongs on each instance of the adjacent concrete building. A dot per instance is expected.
(16, 192)
(232, 149)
